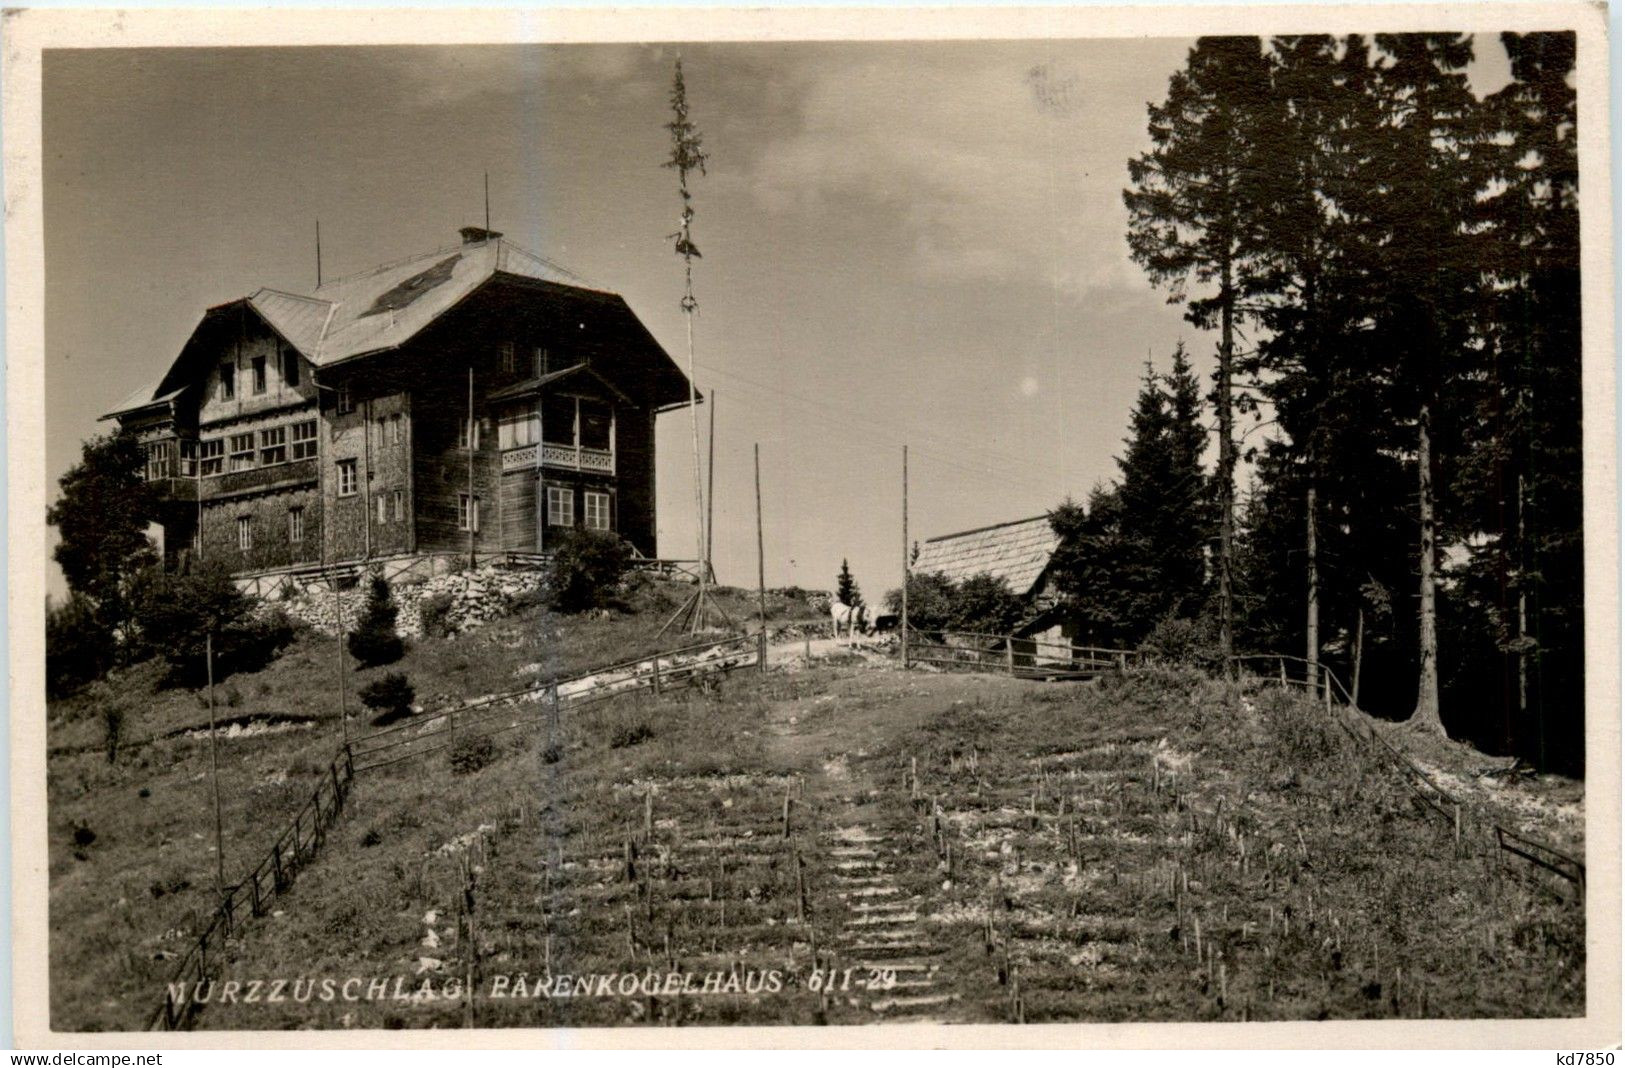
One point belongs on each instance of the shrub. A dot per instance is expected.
(588, 566)
(470, 754)
(982, 604)
(389, 696)
(374, 640)
(176, 611)
(435, 612)
(1181, 642)
(112, 728)
(78, 648)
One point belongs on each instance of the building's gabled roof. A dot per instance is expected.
(1017, 552)
(384, 308)
(387, 306)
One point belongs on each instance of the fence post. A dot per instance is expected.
(657, 679)
(1010, 656)
(761, 650)
(276, 862)
(1327, 680)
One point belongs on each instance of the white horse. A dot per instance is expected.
(844, 616)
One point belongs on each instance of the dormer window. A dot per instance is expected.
(228, 382)
(346, 399)
(259, 375)
(290, 366)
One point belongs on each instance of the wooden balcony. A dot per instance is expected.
(565, 457)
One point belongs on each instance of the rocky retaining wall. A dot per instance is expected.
(474, 597)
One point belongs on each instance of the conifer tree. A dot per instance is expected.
(846, 588)
(1192, 217)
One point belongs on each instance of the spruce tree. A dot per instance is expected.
(1192, 218)
(846, 588)
(374, 640)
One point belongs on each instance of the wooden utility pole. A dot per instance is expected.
(903, 628)
(761, 559)
(214, 772)
(473, 509)
(710, 485)
(338, 646)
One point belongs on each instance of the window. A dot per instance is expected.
(211, 456)
(464, 426)
(538, 361)
(510, 357)
(517, 428)
(383, 508)
(228, 382)
(464, 516)
(245, 533)
(383, 431)
(304, 440)
(346, 399)
(595, 509)
(296, 525)
(188, 459)
(242, 452)
(346, 478)
(290, 367)
(396, 433)
(273, 445)
(259, 374)
(157, 461)
(561, 506)
(400, 504)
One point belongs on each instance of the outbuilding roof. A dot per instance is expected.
(1017, 552)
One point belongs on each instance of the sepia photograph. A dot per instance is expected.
(900, 531)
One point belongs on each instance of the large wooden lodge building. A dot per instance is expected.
(333, 426)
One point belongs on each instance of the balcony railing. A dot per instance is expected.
(569, 457)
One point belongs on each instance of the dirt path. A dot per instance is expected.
(867, 877)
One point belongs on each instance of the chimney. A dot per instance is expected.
(475, 235)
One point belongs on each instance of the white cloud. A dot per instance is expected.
(998, 163)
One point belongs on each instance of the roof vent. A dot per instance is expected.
(474, 235)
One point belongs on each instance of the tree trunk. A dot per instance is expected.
(1312, 620)
(1426, 715)
(1227, 466)
(1359, 654)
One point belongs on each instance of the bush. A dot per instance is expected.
(176, 611)
(374, 640)
(435, 612)
(1181, 642)
(469, 755)
(588, 566)
(389, 696)
(78, 648)
(982, 603)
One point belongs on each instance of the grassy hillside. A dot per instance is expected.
(1157, 847)
(132, 862)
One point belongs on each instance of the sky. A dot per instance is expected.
(917, 243)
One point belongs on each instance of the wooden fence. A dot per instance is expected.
(1429, 795)
(293, 849)
(1029, 658)
(664, 672)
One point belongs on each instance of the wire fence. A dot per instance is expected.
(665, 672)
